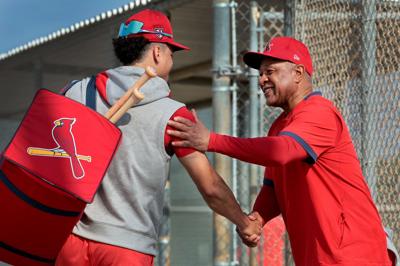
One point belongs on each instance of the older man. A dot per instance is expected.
(312, 175)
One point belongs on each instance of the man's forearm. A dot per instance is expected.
(223, 202)
(213, 188)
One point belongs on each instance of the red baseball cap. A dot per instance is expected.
(152, 25)
(283, 48)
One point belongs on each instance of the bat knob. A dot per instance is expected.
(150, 71)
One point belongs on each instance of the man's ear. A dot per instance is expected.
(299, 72)
(156, 52)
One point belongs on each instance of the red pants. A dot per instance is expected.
(78, 251)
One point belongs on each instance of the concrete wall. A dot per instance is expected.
(7, 130)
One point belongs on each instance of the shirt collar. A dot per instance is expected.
(314, 93)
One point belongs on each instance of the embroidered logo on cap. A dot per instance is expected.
(161, 30)
(296, 57)
(270, 47)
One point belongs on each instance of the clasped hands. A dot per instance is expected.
(251, 234)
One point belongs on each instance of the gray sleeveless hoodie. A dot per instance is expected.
(127, 208)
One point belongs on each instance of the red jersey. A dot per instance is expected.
(313, 178)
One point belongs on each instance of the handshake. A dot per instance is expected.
(251, 233)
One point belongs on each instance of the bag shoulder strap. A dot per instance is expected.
(91, 93)
(64, 90)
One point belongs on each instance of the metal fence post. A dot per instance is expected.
(254, 108)
(234, 89)
(288, 18)
(368, 77)
(221, 118)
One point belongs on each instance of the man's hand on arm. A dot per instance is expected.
(193, 134)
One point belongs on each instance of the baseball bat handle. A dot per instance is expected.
(125, 102)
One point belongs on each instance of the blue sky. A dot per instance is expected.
(24, 20)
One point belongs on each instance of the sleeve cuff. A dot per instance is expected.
(311, 153)
(268, 182)
(212, 142)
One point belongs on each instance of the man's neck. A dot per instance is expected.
(297, 98)
(140, 64)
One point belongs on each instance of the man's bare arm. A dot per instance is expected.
(217, 194)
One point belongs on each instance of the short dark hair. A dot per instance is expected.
(130, 49)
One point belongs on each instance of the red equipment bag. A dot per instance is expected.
(48, 173)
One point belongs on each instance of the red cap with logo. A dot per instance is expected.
(152, 25)
(283, 48)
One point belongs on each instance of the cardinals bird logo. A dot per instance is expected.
(66, 148)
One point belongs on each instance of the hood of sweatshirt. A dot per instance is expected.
(120, 79)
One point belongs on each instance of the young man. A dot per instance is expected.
(121, 226)
(312, 175)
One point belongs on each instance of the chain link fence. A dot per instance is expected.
(243, 119)
(267, 23)
(355, 49)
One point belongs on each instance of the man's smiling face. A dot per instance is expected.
(277, 82)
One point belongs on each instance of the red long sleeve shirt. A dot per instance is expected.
(264, 150)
